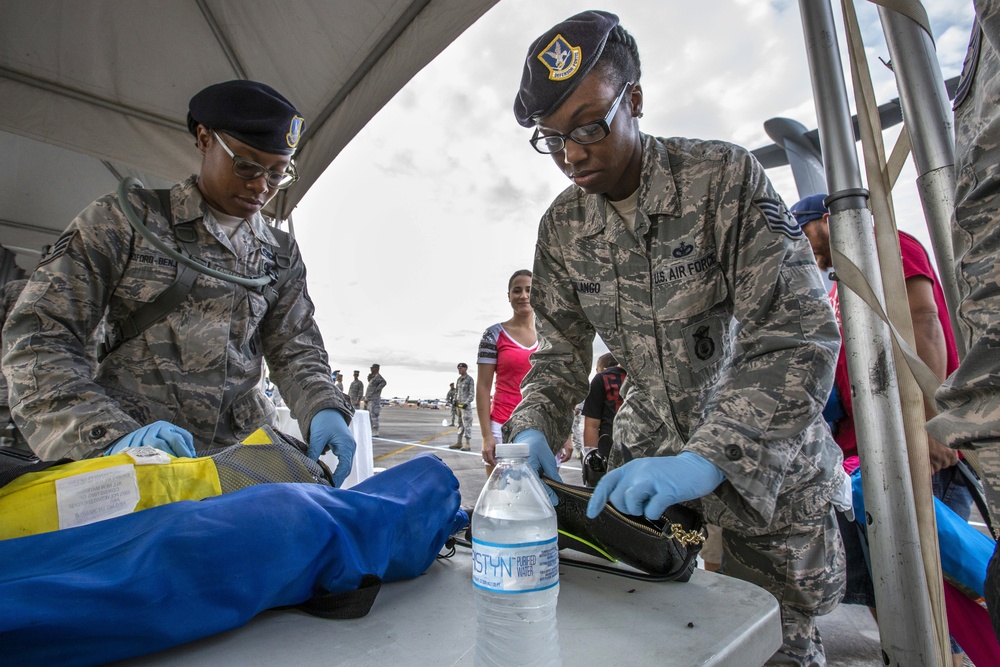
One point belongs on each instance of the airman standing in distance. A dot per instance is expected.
(188, 380)
(683, 257)
(465, 394)
(338, 380)
(356, 391)
(373, 397)
(450, 401)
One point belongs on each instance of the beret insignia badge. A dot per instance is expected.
(561, 59)
(294, 131)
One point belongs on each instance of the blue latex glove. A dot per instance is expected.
(162, 435)
(649, 486)
(329, 427)
(540, 458)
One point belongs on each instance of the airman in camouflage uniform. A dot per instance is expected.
(373, 397)
(465, 394)
(9, 435)
(707, 294)
(970, 398)
(199, 366)
(356, 391)
(449, 400)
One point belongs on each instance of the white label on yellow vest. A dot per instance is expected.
(96, 495)
(146, 455)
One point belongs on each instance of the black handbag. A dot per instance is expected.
(663, 550)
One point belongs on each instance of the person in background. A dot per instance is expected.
(449, 400)
(356, 391)
(684, 259)
(9, 435)
(504, 358)
(465, 394)
(190, 380)
(935, 345)
(602, 403)
(373, 397)
(338, 380)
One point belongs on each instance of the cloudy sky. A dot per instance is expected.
(411, 234)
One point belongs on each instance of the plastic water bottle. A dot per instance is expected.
(515, 566)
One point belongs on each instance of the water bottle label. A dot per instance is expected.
(515, 568)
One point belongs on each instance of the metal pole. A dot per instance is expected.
(906, 628)
(924, 100)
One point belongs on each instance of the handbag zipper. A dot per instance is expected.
(677, 532)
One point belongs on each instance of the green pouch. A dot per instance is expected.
(665, 550)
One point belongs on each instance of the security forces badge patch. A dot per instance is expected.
(778, 218)
(561, 58)
(704, 343)
(294, 131)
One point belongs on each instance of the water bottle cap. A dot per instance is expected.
(512, 450)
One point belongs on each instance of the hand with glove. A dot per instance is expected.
(649, 486)
(329, 427)
(540, 458)
(161, 435)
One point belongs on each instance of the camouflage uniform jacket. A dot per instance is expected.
(465, 390)
(376, 384)
(356, 391)
(198, 367)
(8, 297)
(715, 308)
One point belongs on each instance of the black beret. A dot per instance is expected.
(558, 61)
(252, 112)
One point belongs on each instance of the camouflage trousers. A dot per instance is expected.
(454, 413)
(465, 421)
(374, 410)
(803, 566)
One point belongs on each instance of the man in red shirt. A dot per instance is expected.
(935, 345)
(932, 331)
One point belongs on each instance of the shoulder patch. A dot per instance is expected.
(58, 249)
(778, 218)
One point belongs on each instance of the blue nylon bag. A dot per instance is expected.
(965, 551)
(172, 574)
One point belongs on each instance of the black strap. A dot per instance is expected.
(685, 569)
(351, 604)
(14, 463)
(975, 488)
(282, 262)
(150, 313)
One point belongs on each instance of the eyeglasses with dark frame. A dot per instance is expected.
(590, 133)
(248, 170)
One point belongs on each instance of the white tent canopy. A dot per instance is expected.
(93, 90)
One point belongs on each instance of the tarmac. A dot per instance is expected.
(849, 633)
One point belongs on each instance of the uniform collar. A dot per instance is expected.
(189, 205)
(657, 192)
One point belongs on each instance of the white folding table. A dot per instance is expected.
(603, 619)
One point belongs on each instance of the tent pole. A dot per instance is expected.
(929, 120)
(907, 632)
